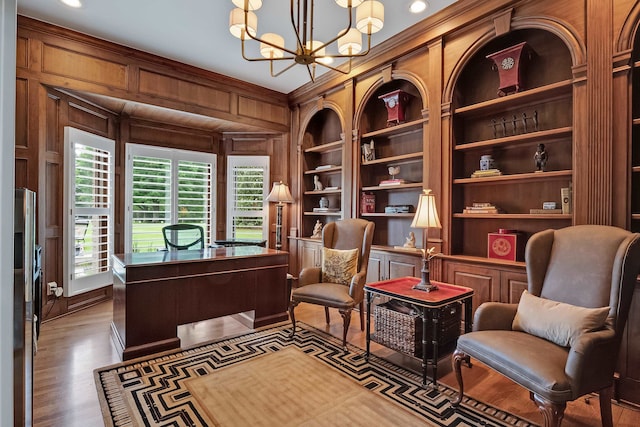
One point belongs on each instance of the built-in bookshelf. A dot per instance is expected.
(398, 146)
(509, 128)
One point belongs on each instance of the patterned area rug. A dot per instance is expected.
(158, 391)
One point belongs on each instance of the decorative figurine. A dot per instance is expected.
(317, 185)
(411, 241)
(393, 171)
(368, 153)
(541, 158)
(317, 230)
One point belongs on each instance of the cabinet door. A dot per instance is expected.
(375, 270)
(401, 266)
(628, 384)
(512, 284)
(485, 282)
(310, 254)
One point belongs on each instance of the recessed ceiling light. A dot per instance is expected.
(72, 3)
(418, 6)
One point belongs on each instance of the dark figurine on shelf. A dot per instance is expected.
(541, 158)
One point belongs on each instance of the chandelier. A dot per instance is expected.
(369, 19)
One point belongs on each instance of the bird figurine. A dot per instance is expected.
(393, 171)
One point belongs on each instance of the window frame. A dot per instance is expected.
(175, 156)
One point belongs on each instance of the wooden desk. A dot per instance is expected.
(429, 304)
(154, 292)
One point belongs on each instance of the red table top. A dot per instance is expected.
(401, 288)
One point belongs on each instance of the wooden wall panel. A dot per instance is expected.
(171, 87)
(86, 119)
(257, 109)
(21, 173)
(56, 60)
(158, 134)
(22, 113)
(22, 52)
(52, 142)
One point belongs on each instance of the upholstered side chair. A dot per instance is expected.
(339, 283)
(561, 340)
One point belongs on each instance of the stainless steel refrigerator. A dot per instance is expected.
(26, 277)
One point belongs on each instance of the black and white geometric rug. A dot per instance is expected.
(151, 392)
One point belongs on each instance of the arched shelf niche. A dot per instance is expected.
(509, 128)
(390, 200)
(322, 183)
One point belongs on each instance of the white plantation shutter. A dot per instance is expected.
(167, 186)
(247, 189)
(89, 203)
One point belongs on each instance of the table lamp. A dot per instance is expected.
(426, 216)
(280, 194)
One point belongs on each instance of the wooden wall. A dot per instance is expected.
(63, 78)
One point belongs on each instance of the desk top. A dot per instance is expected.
(401, 288)
(209, 254)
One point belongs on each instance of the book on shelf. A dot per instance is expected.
(321, 167)
(486, 173)
(331, 188)
(481, 211)
(481, 208)
(392, 182)
(320, 210)
(545, 211)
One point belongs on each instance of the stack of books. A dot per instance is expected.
(321, 167)
(486, 173)
(481, 208)
(392, 182)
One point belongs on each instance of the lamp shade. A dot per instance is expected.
(426, 214)
(251, 4)
(370, 17)
(280, 193)
(350, 43)
(237, 24)
(269, 51)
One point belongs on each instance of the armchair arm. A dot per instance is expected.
(494, 316)
(356, 288)
(309, 275)
(592, 361)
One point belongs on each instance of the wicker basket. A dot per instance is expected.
(399, 328)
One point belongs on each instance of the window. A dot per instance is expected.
(167, 186)
(247, 189)
(89, 204)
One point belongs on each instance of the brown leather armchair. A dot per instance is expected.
(585, 266)
(341, 235)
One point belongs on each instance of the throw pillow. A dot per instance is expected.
(555, 321)
(339, 266)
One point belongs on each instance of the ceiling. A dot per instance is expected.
(196, 32)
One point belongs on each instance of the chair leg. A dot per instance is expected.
(362, 315)
(292, 306)
(605, 406)
(552, 412)
(456, 363)
(326, 315)
(346, 319)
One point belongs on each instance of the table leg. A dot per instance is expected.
(425, 346)
(434, 340)
(468, 321)
(368, 314)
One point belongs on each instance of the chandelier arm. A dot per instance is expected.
(334, 68)
(333, 40)
(281, 71)
(296, 26)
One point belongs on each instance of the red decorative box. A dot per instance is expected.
(505, 244)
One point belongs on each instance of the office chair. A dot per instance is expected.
(183, 236)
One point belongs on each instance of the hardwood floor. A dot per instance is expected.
(71, 347)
